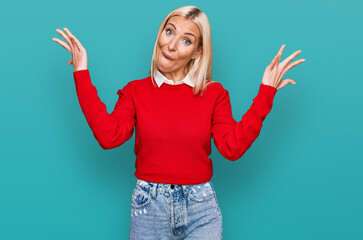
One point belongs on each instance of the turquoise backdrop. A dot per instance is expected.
(301, 179)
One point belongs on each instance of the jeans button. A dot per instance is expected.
(172, 186)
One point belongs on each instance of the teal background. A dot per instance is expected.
(302, 177)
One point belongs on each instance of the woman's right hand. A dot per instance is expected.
(79, 54)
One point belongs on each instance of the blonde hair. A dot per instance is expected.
(200, 69)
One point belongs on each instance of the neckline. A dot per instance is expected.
(172, 86)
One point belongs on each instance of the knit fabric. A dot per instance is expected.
(173, 128)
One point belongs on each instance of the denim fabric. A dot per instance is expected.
(168, 211)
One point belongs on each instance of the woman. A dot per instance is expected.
(176, 113)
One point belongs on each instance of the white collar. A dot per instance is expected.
(160, 79)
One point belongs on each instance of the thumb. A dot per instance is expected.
(285, 82)
(70, 62)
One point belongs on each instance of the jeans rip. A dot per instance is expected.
(141, 197)
(201, 192)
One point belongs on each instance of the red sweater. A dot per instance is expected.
(173, 128)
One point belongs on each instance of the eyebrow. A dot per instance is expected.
(184, 33)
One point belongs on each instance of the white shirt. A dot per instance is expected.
(160, 79)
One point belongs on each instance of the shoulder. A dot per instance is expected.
(128, 88)
(216, 88)
(141, 82)
(137, 87)
(136, 83)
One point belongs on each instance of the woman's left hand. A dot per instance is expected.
(275, 71)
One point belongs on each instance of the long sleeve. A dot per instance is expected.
(233, 139)
(110, 130)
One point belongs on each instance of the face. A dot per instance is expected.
(179, 41)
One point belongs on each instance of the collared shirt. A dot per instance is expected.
(160, 79)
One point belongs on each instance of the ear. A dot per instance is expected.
(198, 53)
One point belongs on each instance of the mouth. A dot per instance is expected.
(167, 56)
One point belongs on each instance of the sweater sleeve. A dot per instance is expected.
(110, 130)
(233, 139)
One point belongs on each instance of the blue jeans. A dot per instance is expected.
(168, 211)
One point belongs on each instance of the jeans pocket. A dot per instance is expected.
(140, 197)
(201, 192)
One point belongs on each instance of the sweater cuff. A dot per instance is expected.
(267, 92)
(81, 75)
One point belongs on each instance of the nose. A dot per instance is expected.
(172, 44)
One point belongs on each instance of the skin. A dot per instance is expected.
(275, 71)
(174, 42)
(79, 54)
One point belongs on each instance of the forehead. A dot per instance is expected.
(184, 25)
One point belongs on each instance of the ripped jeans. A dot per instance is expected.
(168, 211)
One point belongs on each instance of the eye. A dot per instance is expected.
(189, 42)
(168, 30)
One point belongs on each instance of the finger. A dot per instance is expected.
(63, 44)
(73, 38)
(276, 59)
(291, 65)
(277, 62)
(283, 69)
(70, 62)
(283, 83)
(272, 63)
(65, 37)
(280, 52)
(288, 59)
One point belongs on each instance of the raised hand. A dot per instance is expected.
(79, 54)
(275, 70)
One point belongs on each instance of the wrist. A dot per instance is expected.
(80, 69)
(268, 85)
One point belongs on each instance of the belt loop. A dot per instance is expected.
(153, 190)
(184, 189)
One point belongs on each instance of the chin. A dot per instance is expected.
(164, 68)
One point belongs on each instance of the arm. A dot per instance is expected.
(232, 139)
(110, 130)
